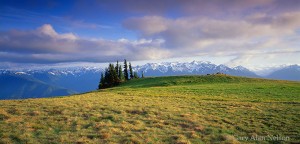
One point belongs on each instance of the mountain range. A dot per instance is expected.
(291, 72)
(192, 68)
(20, 87)
(29, 83)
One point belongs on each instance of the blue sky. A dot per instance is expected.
(252, 33)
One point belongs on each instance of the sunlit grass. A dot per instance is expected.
(187, 109)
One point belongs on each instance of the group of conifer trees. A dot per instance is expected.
(114, 75)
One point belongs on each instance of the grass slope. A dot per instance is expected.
(183, 109)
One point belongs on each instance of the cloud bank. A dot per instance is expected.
(45, 45)
(207, 35)
(245, 30)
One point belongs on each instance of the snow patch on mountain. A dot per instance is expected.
(155, 69)
(175, 66)
(20, 73)
(185, 66)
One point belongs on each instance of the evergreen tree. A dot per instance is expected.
(120, 73)
(117, 68)
(101, 83)
(135, 75)
(142, 74)
(130, 71)
(125, 70)
(117, 72)
(113, 77)
(106, 78)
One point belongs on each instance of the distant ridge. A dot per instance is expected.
(21, 87)
(191, 68)
(85, 79)
(291, 72)
(79, 79)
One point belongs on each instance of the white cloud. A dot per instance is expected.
(258, 34)
(47, 29)
(243, 38)
(45, 45)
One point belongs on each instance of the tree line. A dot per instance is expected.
(114, 75)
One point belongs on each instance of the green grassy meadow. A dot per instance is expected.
(177, 109)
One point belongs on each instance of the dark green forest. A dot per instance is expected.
(116, 74)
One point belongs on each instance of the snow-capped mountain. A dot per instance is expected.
(76, 71)
(84, 79)
(78, 79)
(190, 68)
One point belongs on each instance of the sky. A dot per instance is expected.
(253, 33)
